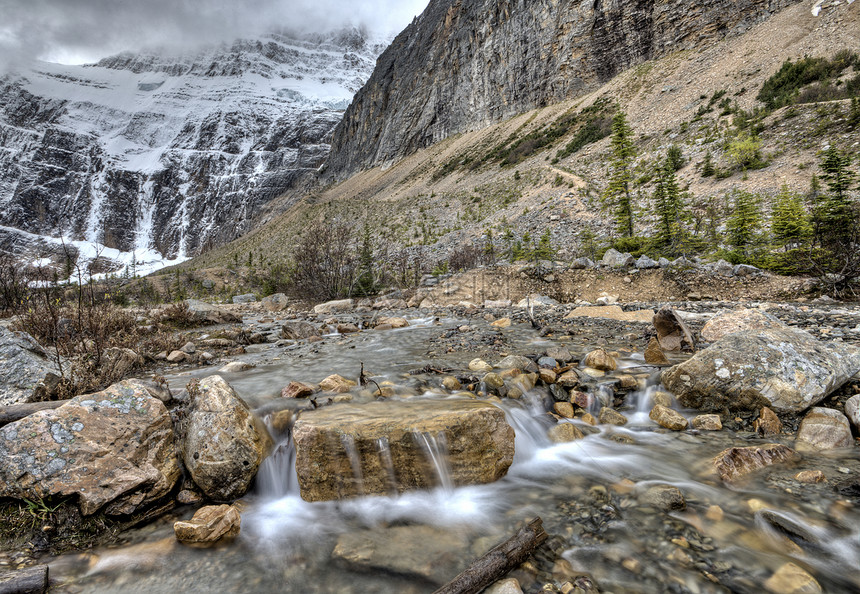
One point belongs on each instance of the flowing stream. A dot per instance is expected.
(589, 494)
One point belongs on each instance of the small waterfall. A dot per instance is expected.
(348, 442)
(277, 474)
(436, 450)
(387, 463)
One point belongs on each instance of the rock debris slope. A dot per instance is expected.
(465, 64)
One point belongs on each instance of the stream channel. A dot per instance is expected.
(589, 494)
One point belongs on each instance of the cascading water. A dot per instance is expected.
(436, 449)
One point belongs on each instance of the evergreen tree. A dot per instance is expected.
(669, 206)
(744, 221)
(789, 223)
(708, 165)
(618, 196)
(838, 220)
(675, 157)
(543, 250)
(365, 282)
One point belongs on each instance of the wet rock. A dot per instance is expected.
(297, 330)
(450, 382)
(113, 449)
(611, 312)
(209, 525)
(615, 259)
(189, 348)
(563, 409)
(224, 443)
(668, 418)
(27, 374)
(480, 366)
(792, 579)
(26, 580)
(337, 384)
(206, 314)
(346, 328)
(517, 362)
(564, 433)
(236, 367)
(852, 411)
(568, 379)
(560, 354)
(767, 423)
(661, 398)
(297, 390)
(502, 323)
(547, 376)
(735, 463)
(189, 497)
(665, 498)
(331, 307)
(275, 303)
(672, 332)
(610, 416)
(394, 322)
(707, 423)
(478, 440)
(601, 360)
(785, 369)
(420, 552)
(654, 354)
(824, 429)
(493, 381)
(810, 476)
(738, 320)
(246, 298)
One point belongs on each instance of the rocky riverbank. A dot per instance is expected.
(585, 372)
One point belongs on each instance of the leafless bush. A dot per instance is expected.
(13, 284)
(324, 262)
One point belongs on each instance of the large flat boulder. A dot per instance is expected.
(611, 312)
(383, 447)
(224, 442)
(782, 368)
(113, 449)
(27, 373)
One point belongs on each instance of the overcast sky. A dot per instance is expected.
(76, 31)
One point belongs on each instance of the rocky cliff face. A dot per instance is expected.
(467, 63)
(152, 155)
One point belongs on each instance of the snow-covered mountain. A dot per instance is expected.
(157, 156)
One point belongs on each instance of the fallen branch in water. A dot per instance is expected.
(32, 580)
(498, 561)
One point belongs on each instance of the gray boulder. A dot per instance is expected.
(615, 259)
(663, 262)
(782, 368)
(247, 298)
(852, 410)
(537, 301)
(208, 314)
(224, 443)
(723, 268)
(298, 329)
(27, 373)
(581, 264)
(824, 429)
(644, 263)
(275, 303)
(745, 270)
(113, 449)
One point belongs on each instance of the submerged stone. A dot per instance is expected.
(824, 429)
(384, 447)
(735, 463)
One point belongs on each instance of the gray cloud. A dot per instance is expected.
(76, 30)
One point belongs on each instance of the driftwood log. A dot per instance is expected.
(32, 580)
(500, 560)
(16, 412)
